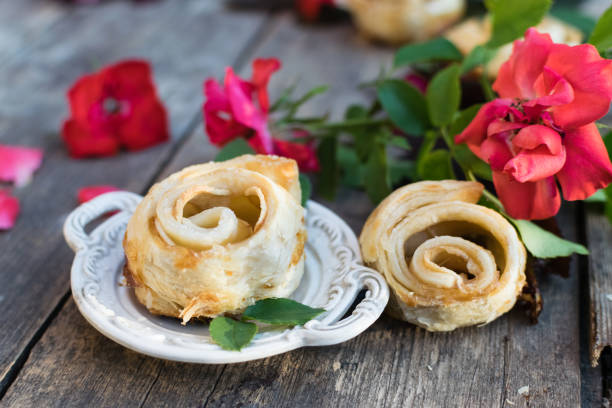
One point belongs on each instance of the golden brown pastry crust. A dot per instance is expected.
(400, 21)
(215, 237)
(449, 262)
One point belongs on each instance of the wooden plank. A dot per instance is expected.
(23, 22)
(392, 363)
(599, 237)
(185, 44)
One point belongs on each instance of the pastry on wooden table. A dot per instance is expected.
(477, 31)
(448, 261)
(215, 237)
(400, 21)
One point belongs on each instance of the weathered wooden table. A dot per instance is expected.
(50, 356)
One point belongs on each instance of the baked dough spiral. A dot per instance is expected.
(215, 237)
(449, 262)
(400, 21)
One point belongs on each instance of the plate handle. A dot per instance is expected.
(74, 227)
(366, 312)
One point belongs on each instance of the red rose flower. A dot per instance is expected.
(240, 108)
(9, 210)
(303, 153)
(541, 130)
(310, 9)
(116, 107)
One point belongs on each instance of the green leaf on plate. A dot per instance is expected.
(469, 161)
(405, 105)
(436, 165)
(512, 18)
(376, 177)
(443, 95)
(281, 311)
(306, 187)
(480, 55)
(544, 244)
(231, 334)
(233, 149)
(601, 37)
(329, 174)
(438, 49)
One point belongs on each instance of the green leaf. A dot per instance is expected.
(352, 168)
(444, 95)
(480, 55)
(436, 165)
(231, 334)
(328, 176)
(512, 18)
(469, 161)
(464, 118)
(401, 170)
(607, 138)
(376, 178)
(544, 244)
(400, 142)
(601, 37)
(434, 50)
(429, 141)
(574, 17)
(233, 149)
(281, 311)
(405, 105)
(306, 187)
(599, 197)
(608, 205)
(363, 138)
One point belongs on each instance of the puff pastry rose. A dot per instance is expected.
(399, 21)
(449, 262)
(215, 237)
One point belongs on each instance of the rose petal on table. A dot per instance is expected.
(90, 192)
(17, 164)
(9, 210)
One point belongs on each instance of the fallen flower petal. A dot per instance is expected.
(9, 210)
(17, 164)
(90, 192)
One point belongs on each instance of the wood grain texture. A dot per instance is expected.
(599, 236)
(391, 364)
(185, 44)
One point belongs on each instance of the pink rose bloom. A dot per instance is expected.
(541, 131)
(240, 108)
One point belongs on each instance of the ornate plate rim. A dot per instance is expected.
(350, 277)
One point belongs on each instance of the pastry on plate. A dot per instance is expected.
(400, 21)
(448, 261)
(477, 31)
(215, 237)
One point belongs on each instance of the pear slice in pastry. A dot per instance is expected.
(449, 262)
(215, 237)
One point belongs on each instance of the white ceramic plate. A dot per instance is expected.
(332, 279)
